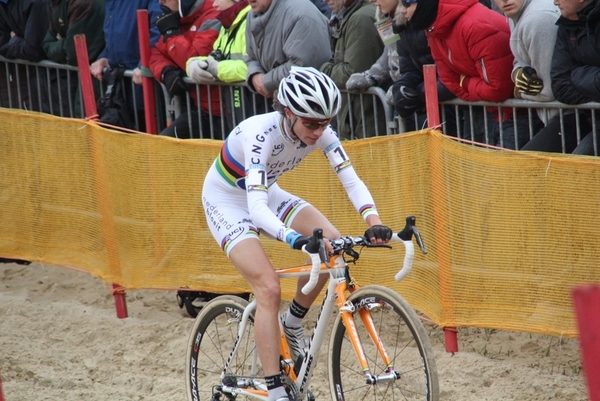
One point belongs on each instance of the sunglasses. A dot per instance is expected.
(315, 125)
(407, 3)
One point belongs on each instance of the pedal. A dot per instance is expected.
(216, 395)
(290, 388)
(298, 363)
(310, 396)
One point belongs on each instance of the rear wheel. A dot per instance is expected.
(210, 345)
(405, 341)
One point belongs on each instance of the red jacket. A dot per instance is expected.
(199, 30)
(468, 39)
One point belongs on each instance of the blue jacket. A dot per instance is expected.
(121, 33)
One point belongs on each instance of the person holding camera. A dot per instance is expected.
(225, 63)
(188, 28)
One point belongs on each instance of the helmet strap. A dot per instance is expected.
(290, 125)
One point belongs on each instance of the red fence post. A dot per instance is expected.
(586, 300)
(431, 96)
(441, 229)
(147, 81)
(89, 100)
(1, 394)
(87, 88)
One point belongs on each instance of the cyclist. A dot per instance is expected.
(241, 198)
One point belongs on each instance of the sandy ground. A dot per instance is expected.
(60, 339)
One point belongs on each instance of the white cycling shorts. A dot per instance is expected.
(227, 213)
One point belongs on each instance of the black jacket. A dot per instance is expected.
(28, 19)
(69, 18)
(414, 53)
(576, 61)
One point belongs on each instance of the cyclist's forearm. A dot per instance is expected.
(373, 219)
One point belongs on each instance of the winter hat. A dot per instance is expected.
(425, 14)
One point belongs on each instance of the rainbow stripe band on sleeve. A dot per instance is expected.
(366, 210)
(287, 231)
(229, 168)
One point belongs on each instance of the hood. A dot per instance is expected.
(518, 14)
(187, 7)
(425, 13)
(399, 18)
(448, 11)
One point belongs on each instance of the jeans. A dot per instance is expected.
(481, 126)
(511, 139)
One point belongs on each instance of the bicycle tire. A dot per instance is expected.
(210, 344)
(405, 341)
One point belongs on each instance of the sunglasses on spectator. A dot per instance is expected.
(407, 3)
(315, 124)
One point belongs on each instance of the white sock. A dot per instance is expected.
(292, 321)
(277, 393)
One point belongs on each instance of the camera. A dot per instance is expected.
(217, 55)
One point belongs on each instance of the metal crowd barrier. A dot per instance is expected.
(44, 86)
(254, 103)
(55, 88)
(528, 109)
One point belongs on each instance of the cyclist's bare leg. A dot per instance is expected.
(253, 264)
(305, 222)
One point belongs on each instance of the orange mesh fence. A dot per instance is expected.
(508, 233)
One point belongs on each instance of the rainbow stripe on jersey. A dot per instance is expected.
(230, 169)
(289, 212)
(227, 241)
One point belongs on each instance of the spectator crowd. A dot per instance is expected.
(296, 55)
(533, 50)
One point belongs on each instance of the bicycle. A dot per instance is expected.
(364, 361)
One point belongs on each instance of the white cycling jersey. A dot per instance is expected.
(240, 193)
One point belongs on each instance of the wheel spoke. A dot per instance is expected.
(405, 342)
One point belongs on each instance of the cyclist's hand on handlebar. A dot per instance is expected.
(378, 234)
(297, 241)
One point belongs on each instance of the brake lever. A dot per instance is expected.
(323, 253)
(419, 240)
(409, 230)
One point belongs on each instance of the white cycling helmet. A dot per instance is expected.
(309, 93)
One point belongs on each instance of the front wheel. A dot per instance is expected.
(405, 340)
(209, 348)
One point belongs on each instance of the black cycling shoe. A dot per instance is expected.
(194, 300)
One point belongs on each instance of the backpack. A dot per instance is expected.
(112, 107)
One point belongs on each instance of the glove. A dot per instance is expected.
(527, 82)
(378, 232)
(168, 23)
(406, 101)
(360, 82)
(173, 79)
(197, 72)
(389, 96)
(297, 241)
(213, 66)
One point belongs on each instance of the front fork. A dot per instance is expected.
(347, 310)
